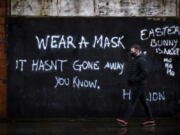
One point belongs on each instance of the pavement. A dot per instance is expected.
(86, 126)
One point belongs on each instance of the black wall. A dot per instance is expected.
(37, 93)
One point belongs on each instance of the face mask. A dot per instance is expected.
(133, 55)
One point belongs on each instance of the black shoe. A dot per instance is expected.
(149, 123)
(121, 122)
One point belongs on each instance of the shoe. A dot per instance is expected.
(121, 122)
(149, 123)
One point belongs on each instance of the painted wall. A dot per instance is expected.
(77, 66)
(95, 7)
(92, 8)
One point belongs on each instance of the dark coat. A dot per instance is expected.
(138, 71)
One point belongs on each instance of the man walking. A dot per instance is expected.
(137, 80)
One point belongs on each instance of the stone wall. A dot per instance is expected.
(95, 7)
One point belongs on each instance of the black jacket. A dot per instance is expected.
(138, 71)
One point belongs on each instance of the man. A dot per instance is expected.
(137, 80)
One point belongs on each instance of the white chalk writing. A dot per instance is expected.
(166, 51)
(157, 43)
(68, 42)
(60, 81)
(145, 34)
(163, 46)
(48, 65)
(55, 41)
(165, 41)
(152, 96)
(83, 43)
(156, 96)
(86, 65)
(169, 66)
(20, 64)
(126, 94)
(115, 66)
(106, 42)
(77, 83)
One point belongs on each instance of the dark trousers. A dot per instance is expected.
(138, 95)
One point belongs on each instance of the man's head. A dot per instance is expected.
(135, 50)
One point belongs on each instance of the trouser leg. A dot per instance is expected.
(145, 104)
(134, 100)
(139, 94)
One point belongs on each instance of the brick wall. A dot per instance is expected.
(3, 13)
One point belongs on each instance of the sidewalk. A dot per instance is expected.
(86, 126)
